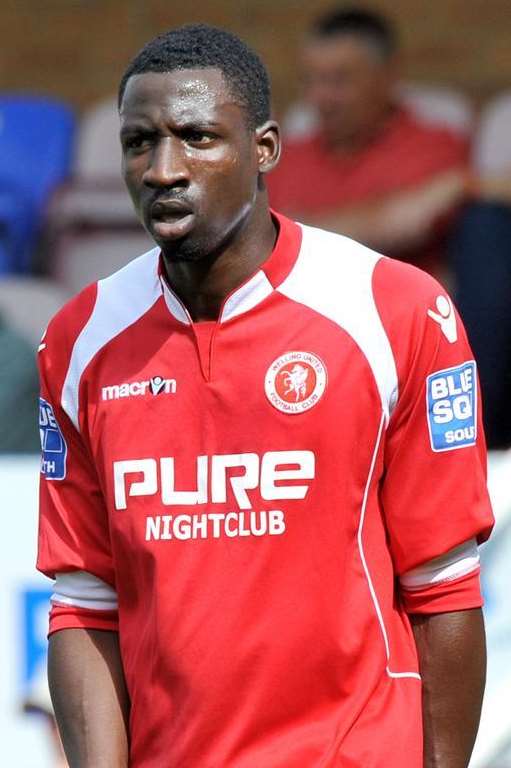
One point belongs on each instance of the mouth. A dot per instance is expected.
(170, 219)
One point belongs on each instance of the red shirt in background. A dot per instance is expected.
(312, 179)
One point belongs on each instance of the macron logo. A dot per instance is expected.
(156, 385)
(445, 317)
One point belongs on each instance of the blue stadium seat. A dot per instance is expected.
(14, 209)
(36, 141)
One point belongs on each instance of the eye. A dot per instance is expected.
(136, 141)
(198, 137)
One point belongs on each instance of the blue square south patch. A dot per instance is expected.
(452, 407)
(53, 445)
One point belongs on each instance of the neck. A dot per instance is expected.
(204, 285)
(364, 135)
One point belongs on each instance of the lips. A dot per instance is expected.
(170, 219)
(170, 210)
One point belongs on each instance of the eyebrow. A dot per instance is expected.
(135, 125)
(198, 122)
(144, 127)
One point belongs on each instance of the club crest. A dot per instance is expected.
(295, 382)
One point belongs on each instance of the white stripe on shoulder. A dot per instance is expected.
(83, 590)
(333, 276)
(121, 300)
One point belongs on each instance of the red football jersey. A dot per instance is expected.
(253, 488)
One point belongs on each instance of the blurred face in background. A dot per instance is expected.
(350, 84)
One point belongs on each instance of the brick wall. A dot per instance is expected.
(77, 49)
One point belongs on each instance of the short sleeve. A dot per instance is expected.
(433, 490)
(73, 521)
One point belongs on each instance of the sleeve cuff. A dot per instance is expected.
(73, 617)
(451, 595)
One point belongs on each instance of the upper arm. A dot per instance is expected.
(73, 521)
(433, 493)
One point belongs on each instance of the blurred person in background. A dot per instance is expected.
(19, 392)
(386, 177)
(376, 172)
(38, 702)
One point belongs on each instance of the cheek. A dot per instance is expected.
(230, 184)
(131, 185)
(240, 187)
(131, 174)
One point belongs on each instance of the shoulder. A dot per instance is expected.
(333, 275)
(126, 287)
(89, 322)
(428, 135)
(424, 329)
(329, 255)
(404, 292)
(328, 258)
(344, 279)
(400, 318)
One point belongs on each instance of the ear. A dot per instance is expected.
(268, 145)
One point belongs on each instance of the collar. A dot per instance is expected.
(255, 288)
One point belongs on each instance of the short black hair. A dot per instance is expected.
(198, 46)
(370, 26)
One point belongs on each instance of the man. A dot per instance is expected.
(262, 426)
(388, 178)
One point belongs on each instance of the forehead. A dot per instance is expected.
(339, 51)
(180, 94)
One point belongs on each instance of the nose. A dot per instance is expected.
(167, 167)
(321, 93)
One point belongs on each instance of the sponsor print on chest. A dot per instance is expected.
(275, 476)
(293, 383)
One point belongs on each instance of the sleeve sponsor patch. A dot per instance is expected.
(53, 445)
(452, 407)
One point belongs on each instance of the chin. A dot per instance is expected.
(184, 250)
(196, 246)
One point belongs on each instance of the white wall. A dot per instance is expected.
(23, 738)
